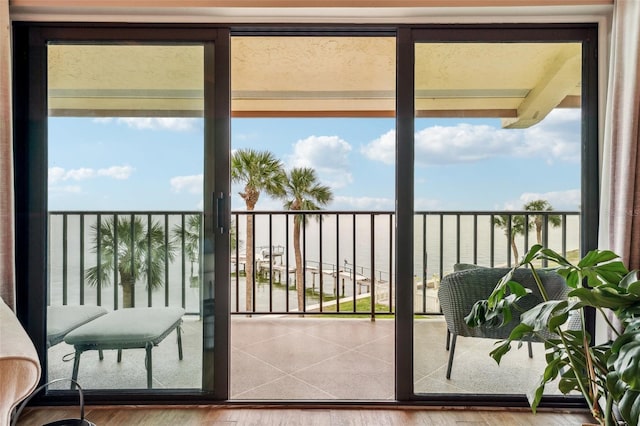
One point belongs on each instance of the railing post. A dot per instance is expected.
(270, 262)
(354, 262)
(441, 253)
(65, 284)
(82, 258)
(372, 291)
(337, 268)
(99, 259)
(149, 261)
(320, 274)
(115, 262)
(391, 263)
(286, 250)
(133, 267)
(425, 267)
(166, 260)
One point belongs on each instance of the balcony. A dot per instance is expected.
(336, 351)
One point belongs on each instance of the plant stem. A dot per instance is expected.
(609, 323)
(536, 277)
(608, 419)
(593, 404)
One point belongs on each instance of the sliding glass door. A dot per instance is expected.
(498, 140)
(131, 262)
(134, 171)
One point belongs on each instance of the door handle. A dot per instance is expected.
(220, 213)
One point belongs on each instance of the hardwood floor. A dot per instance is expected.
(320, 416)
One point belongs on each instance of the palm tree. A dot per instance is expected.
(192, 237)
(542, 206)
(304, 192)
(517, 228)
(258, 171)
(140, 254)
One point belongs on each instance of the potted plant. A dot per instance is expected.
(606, 374)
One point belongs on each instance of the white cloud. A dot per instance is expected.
(116, 172)
(191, 184)
(59, 174)
(557, 138)
(56, 174)
(79, 174)
(559, 200)
(103, 120)
(382, 149)
(328, 155)
(176, 124)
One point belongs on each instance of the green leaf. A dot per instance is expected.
(595, 257)
(631, 282)
(571, 276)
(546, 316)
(609, 273)
(553, 368)
(535, 396)
(531, 255)
(568, 382)
(496, 311)
(628, 400)
(520, 331)
(555, 257)
(625, 358)
(605, 296)
(503, 347)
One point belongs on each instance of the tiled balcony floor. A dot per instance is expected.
(312, 359)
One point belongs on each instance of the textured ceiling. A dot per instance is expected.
(318, 76)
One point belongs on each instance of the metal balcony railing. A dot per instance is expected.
(346, 257)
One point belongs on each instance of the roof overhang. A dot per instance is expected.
(318, 77)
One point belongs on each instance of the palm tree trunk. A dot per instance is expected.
(299, 268)
(514, 248)
(249, 264)
(539, 233)
(127, 290)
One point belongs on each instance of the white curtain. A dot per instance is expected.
(620, 201)
(7, 268)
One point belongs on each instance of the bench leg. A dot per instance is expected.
(119, 355)
(179, 331)
(100, 354)
(149, 364)
(76, 366)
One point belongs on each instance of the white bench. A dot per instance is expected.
(132, 328)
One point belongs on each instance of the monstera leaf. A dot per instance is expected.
(607, 375)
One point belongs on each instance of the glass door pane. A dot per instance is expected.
(312, 280)
(497, 170)
(125, 200)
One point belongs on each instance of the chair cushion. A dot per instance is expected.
(64, 318)
(126, 328)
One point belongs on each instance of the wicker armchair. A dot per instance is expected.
(461, 289)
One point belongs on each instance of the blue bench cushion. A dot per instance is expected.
(64, 318)
(126, 329)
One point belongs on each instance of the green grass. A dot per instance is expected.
(363, 308)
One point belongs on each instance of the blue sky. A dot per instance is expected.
(156, 163)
